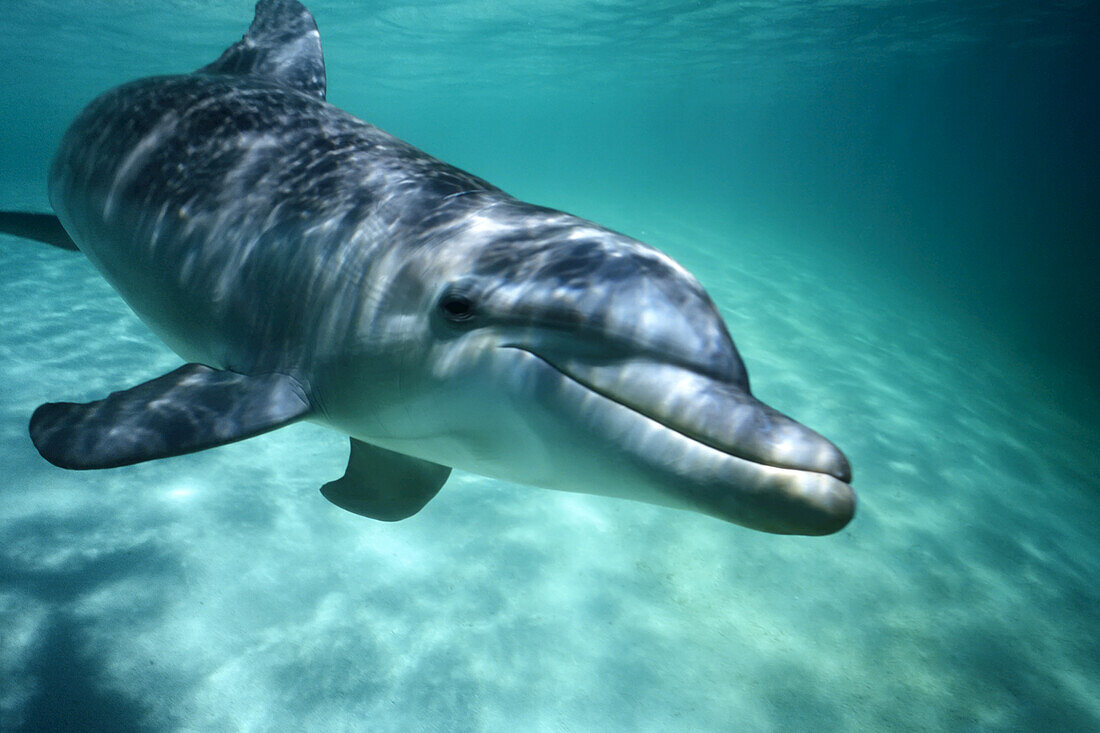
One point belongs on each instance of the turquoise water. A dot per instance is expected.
(890, 206)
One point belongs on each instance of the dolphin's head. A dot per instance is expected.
(544, 349)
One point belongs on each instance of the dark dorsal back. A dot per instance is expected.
(282, 45)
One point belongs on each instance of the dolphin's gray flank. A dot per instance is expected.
(315, 267)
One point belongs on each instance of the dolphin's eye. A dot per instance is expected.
(456, 308)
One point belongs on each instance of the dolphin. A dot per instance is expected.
(309, 266)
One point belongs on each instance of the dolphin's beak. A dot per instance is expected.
(776, 474)
(718, 414)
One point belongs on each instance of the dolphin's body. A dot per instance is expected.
(311, 266)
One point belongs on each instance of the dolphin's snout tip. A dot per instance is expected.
(823, 508)
(784, 501)
(835, 506)
(813, 504)
(816, 453)
(840, 468)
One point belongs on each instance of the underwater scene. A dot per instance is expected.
(894, 209)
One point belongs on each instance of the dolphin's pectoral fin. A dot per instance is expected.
(187, 410)
(43, 228)
(381, 484)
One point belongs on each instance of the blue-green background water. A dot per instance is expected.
(894, 206)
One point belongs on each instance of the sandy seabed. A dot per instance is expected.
(220, 591)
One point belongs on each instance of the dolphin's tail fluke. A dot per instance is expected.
(43, 228)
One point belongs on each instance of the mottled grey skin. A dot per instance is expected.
(417, 308)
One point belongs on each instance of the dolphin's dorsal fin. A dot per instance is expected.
(282, 45)
(381, 484)
(187, 410)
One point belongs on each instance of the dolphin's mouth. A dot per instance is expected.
(717, 414)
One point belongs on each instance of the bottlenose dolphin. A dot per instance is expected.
(310, 266)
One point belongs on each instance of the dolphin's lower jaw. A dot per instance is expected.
(664, 459)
